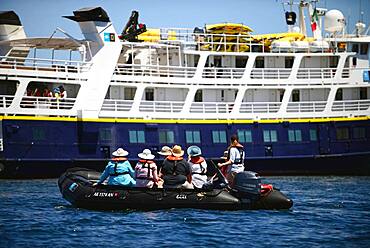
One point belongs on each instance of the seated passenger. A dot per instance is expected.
(165, 151)
(176, 171)
(146, 170)
(118, 170)
(198, 167)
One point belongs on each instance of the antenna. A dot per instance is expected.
(360, 13)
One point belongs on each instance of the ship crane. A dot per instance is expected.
(132, 28)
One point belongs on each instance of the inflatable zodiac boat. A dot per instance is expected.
(76, 186)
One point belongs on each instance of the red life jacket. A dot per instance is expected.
(174, 158)
(199, 160)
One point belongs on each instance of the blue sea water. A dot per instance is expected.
(327, 212)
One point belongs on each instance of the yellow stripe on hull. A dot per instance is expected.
(188, 121)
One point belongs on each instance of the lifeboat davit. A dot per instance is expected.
(76, 186)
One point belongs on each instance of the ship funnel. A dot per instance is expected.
(95, 25)
(11, 29)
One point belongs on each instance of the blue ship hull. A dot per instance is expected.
(35, 147)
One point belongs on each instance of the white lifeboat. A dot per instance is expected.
(281, 46)
(319, 46)
(300, 46)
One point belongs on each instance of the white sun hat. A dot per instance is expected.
(120, 153)
(146, 154)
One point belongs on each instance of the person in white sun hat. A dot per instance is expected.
(146, 170)
(119, 170)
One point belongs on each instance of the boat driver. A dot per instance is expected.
(235, 159)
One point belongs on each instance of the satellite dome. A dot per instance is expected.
(334, 21)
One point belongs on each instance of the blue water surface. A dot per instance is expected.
(327, 212)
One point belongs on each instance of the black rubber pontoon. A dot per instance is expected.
(76, 187)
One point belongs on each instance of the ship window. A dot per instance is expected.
(313, 135)
(281, 94)
(196, 60)
(269, 136)
(166, 137)
(38, 133)
(219, 136)
(359, 133)
(339, 95)
(192, 137)
(260, 62)
(342, 133)
(8, 87)
(355, 48)
(364, 48)
(295, 95)
(294, 135)
(129, 93)
(136, 136)
(241, 61)
(105, 134)
(245, 136)
(198, 96)
(149, 94)
(289, 62)
(363, 93)
(333, 61)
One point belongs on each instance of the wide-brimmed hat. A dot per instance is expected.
(177, 151)
(165, 151)
(146, 154)
(120, 153)
(194, 151)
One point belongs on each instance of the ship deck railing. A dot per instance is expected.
(32, 102)
(154, 70)
(270, 73)
(259, 107)
(47, 102)
(115, 105)
(212, 107)
(318, 73)
(351, 105)
(223, 42)
(307, 106)
(231, 73)
(40, 64)
(52, 106)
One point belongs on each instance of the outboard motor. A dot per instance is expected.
(248, 186)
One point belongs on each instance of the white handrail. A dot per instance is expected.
(260, 107)
(161, 106)
(154, 70)
(307, 106)
(47, 102)
(211, 107)
(351, 105)
(117, 105)
(44, 64)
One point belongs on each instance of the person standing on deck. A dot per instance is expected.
(118, 170)
(235, 159)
